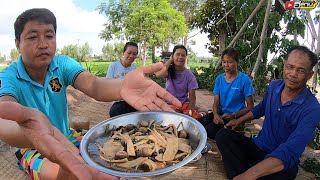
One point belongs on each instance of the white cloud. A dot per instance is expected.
(74, 25)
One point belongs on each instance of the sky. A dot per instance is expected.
(77, 23)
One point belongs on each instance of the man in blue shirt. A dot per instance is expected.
(33, 103)
(291, 116)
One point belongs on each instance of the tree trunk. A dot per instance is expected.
(295, 36)
(185, 43)
(279, 6)
(313, 29)
(222, 38)
(315, 79)
(262, 40)
(145, 49)
(153, 54)
(254, 12)
(166, 46)
(185, 40)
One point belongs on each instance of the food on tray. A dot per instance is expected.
(147, 146)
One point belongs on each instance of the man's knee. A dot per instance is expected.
(116, 109)
(119, 108)
(222, 135)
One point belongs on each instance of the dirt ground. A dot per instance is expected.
(210, 166)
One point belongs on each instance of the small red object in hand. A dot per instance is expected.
(184, 109)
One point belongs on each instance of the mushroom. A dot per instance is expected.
(183, 134)
(144, 123)
(130, 127)
(121, 155)
(146, 152)
(148, 165)
(143, 129)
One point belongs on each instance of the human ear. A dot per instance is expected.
(310, 74)
(17, 42)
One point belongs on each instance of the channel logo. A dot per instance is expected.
(306, 4)
(289, 4)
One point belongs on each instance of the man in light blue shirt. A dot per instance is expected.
(49, 98)
(33, 103)
(291, 116)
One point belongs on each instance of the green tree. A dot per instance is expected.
(112, 52)
(222, 20)
(70, 50)
(189, 8)
(192, 57)
(14, 54)
(77, 52)
(2, 58)
(147, 22)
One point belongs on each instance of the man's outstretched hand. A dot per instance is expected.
(49, 141)
(143, 93)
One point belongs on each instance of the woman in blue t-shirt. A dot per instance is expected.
(232, 94)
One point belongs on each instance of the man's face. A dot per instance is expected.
(37, 44)
(297, 70)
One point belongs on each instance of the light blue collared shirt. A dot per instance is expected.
(50, 98)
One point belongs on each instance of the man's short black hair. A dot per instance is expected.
(42, 15)
(312, 56)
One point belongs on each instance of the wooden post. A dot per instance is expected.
(313, 29)
(295, 36)
(262, 40)
(315, 79)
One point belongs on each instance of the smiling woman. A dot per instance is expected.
(180, 81)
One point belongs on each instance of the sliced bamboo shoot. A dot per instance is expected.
(171, 149)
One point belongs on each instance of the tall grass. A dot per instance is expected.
(97, 68)
(100, 68)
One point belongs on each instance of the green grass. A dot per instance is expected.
(97, 68)
(100, 68)
(193, 65)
